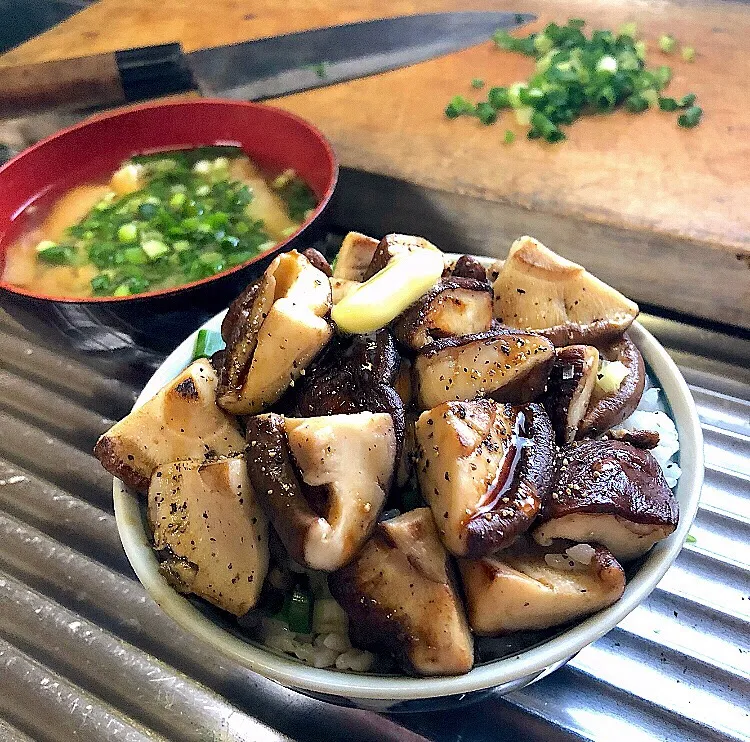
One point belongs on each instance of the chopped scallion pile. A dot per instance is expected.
(577, 75)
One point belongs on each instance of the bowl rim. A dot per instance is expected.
(331, 163)
(530, 662)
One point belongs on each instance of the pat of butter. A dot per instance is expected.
(389, 292)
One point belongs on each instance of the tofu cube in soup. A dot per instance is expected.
(181, 422)
(212, 533)
(536, 590)
(400, 595)
(484, 468)
(322, 480)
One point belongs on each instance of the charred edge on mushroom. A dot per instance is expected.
(506, 364)
(392, 245)
(318, 261)
(609, 492)
(400, 594)
(571, 382)
(454, 306)
(524, 476)
(606, 411)
(273, 476)
(521, 590)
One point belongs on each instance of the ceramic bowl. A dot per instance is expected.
(522, 664)
(273, 138)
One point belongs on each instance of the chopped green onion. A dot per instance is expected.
(667, 43)
(51, 252)
(299, 611)
(668, 104)
(509, 137)
(122, 290)
(477, 83)
(498, 98)
(691, 117)
(459, 106)
(687, 100)
(486, 113)
(207, 343)
(576, 74)
(154, 249)
(128, 232)
(636, 103)
(690, 539)
(688, 54)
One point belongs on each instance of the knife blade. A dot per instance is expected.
(249, 70)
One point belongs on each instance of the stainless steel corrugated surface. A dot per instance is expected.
(86, 655)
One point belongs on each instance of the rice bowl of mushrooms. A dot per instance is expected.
(408, 478)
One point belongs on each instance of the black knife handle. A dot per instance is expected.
(152, 71)
(98, 81)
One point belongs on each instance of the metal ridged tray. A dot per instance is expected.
(86, 655)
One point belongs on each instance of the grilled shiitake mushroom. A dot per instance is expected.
(317, 259)
(392, 246)
(539, 290)
(453, 306)
(526, 589)
(400, 595)
(611, 493)
(354, 257)
(271, 341)
(322, 480)
(209, 528)
(609, 407)
(181, 422)
(569, 387)
(484, 468)
(354, 376)
(507, 365)
(468, 267)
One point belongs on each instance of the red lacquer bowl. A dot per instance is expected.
(273, 138)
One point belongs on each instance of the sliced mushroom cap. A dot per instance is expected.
(611, 493)
(571, 382)
(181, 422)
(206, 520)
(277, 337)
(354, 256)
(507, 365)
(392, 246)
(609, 408)
(539, 290)
(454, 306)
(322, 480)
(484, 468)
(527, 589)
(468, 267)
(317, 259)
(354, 376)
(400, 596)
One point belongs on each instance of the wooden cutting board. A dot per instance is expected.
(661, 212)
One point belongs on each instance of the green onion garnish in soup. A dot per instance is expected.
(160, 220)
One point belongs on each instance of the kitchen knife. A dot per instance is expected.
(250, 70)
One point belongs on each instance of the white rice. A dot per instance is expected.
(650, 415)
(328, 645)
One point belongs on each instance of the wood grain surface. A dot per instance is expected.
(662, 212)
